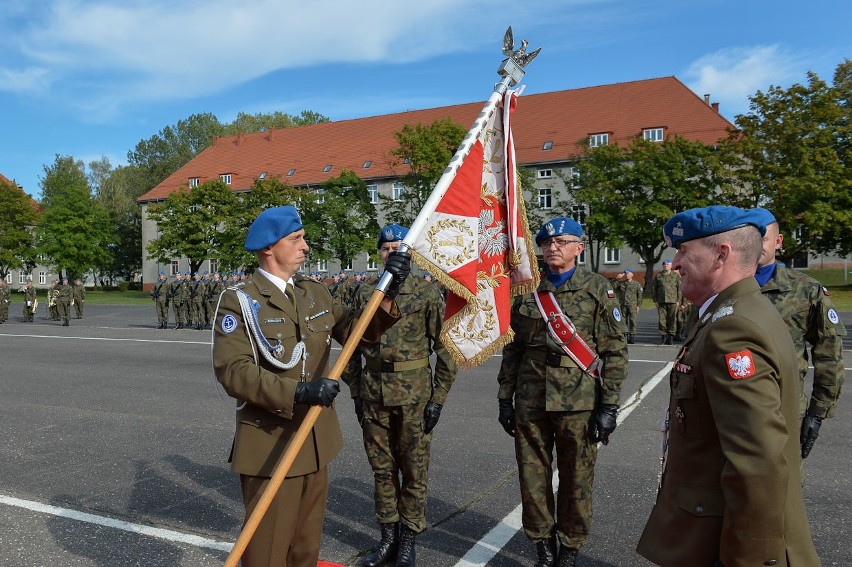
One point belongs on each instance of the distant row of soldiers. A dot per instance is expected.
(60, 298)
(193, 298)
(673, 309)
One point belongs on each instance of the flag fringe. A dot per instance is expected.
(481, 356)
(443, 277)
(531, 285)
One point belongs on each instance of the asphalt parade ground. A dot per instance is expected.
(116, 437)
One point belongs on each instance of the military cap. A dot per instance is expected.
(162, 274)
(707, 221)
(764, 216)
(272, 225)
(558, 227)
(628, 271)
(392, 233)
(667, 261)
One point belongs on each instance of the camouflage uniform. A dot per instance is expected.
(631, 300)
(52, 301)
(554, 402)
(682, 323)
(214, 290)
(66, 294)
(180, 302)
(394, 400)
(666, 292)
(79, 298)
(807, 309)
(5, 299)
(29, 303)
(198, 295)
(160, 295)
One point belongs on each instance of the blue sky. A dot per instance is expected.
(91, 78)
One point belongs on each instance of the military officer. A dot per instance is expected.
(398, 400)
(631, 302)
(730, 491)
(29, 301)
(271, 344)
(160, 296)
(666, 292)
(63, 302)
(78, 297)
(5, 299)
(806, 307)
(557, 405)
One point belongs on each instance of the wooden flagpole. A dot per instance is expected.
(511, 71)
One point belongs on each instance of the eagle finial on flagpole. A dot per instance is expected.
(517, 59)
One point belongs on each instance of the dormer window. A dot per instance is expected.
(226, 178)
(597, 140)
(194, 181)
(653, 134)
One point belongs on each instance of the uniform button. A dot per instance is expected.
(278, 411)
(771, 562)
(279, 335)
(699, 510)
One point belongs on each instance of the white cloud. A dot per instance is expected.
(732, 75)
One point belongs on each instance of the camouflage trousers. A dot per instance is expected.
(180, 311)
(162, 311)
(4, 310)
(667, 313)
(398, 452)
(630, 315)
(64, 309)
(78, 308)
(537, 434)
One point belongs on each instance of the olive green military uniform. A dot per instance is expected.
(554, 402)
(666, 292)
(29, 303)
(267, 417)
(79, 298)
(160, 294)
(52, 302)
(5, 299)
(395, 384)
(806, 307)
(631, 300)
(66, 294)
(684, 309)
(732, 490)
(198, 295)
(180, 301)
(214, 290)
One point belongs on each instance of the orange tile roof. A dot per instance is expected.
(623, 110)
(6, 181)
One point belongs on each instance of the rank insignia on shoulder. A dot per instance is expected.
(722, 312)
(825, 291)
(229, 324)
(610, 293)
(740, 364)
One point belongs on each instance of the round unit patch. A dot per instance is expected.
(833, 317)
(617, 314)
(229, 324)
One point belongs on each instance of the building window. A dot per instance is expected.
(406, 160)
(544, 173)
(22, 278)
(367, 164)
(371, 265)
(578, 213)
(175, 267)
(373, 190)
(327, 168)
(653, 134)
(548, 145)
(596, 140)
(322, 265)
(581, 259)
(612, 256)
(574, 176)
(348, 266)
(214, 266)
(42, 278)
(9, 278)
(291, 172)
(320, 196)
(398, 191)
(226, 178)
(194, 181)
(545, 198)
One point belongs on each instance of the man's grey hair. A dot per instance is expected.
(746, 242)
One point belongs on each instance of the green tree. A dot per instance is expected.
(74, 232)
(344, 223)
(251, 123)
(117, 190)
(791, 155)
(190, 223)
(17, 217)
(426, 150)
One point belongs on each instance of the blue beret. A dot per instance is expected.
(628, 271)
(272, 225)
(392, 233)
(707, 221)
(162, 274)
(558, 227)
(764, 216)
(667, 261)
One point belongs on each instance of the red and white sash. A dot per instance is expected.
(565, 334)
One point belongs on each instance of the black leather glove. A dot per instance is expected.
(507, 416)
(603, 423)
(317, 393)
(431, 415)
(809, 433)
(399, 266)
(359, 410)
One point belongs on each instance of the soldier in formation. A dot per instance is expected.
(79, 297)
(548, 401)
(53, 300)
(66, 296)
(30, 302)
(666, 293)
(398, 401)
(197, 297)
(160, 295)
(807, 309)
(214, 290)
(180, 295)
(630, 293)
(731, 489)
(5, 299)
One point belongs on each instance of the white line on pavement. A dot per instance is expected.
(485, 549)
(107, 339)
(160, 533)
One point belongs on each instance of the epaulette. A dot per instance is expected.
(237, 286)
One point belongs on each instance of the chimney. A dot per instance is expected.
(707, 99)
(715, 106)
(239, 138)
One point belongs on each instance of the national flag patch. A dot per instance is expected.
(610, 293)
(825, 291)
(740, 364)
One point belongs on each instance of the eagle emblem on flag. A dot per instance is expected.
(740, 364)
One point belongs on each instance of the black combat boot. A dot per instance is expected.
(567, 557)
(630, 340)
(546, 550)
(387, 547)
(669, 339)
(406, 555)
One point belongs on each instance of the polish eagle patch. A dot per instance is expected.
(740, 364)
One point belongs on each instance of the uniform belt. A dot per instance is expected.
(387, 366)
(551, 359)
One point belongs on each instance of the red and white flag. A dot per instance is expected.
(477, 242)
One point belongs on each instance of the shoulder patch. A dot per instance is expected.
(833, 317)
(229, 324)
(740, 364)
(616, 314)
(610, 293)
(723, 311)
(825, 291)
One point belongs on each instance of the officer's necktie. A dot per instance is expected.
(288, 291)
